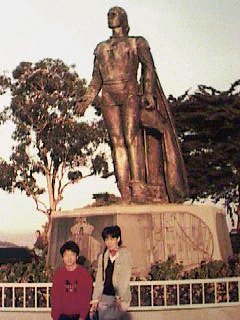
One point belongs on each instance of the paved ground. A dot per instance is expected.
(228, 313)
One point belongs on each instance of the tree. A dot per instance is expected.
(51, 144)
(209, 130)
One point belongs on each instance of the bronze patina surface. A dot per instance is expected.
(147, 158)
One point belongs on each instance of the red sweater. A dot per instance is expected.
(71, 292)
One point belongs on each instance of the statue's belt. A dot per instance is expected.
(109, 82)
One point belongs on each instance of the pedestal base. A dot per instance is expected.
(151, 232)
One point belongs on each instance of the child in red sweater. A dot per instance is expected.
(72, 287)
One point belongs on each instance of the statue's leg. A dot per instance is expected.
(112, 118)
(155, 166)
(134, 140)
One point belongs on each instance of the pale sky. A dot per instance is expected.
(192, 41)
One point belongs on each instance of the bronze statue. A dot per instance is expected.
(147, 158)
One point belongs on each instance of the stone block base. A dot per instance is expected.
(151, 232)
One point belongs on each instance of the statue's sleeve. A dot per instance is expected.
(148, 68)
(96, 82)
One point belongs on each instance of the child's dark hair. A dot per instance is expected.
(71, 246)
(114, 232)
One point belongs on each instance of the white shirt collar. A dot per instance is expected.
(113, 258)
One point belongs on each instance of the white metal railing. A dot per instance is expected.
(146, 295)
(189, 293)
(25, 296)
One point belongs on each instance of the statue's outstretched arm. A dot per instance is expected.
(92, 90)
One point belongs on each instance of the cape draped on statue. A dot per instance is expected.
(164, 145)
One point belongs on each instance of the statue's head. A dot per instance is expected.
(117, 17)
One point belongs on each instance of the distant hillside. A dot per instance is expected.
(6, 244)
(16, 254)
(17, 239)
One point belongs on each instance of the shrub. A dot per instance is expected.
(171, 270)
(35, 271)
(166, 270)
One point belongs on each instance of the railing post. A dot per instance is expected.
(13, 296)
(165, 294)
(191, 300)
(48, 288)
(24, 297)
(203, 292)
(215, 292)
(35, 294)
(152, 295)
(2, 287)
(227, 290)
(178, 297)
(139, 295)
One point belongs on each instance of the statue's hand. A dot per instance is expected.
(148, 101)
(81, 105)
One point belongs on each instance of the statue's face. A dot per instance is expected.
(114, 18)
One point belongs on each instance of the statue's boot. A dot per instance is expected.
(125, 192)
(140, 192)
(158, 193)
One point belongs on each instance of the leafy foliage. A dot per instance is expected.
(34, 271)
(171, 270)
(51, 144)
(166, 270)
(209, 129)
(38, 271)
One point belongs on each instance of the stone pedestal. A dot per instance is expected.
(151, 232)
